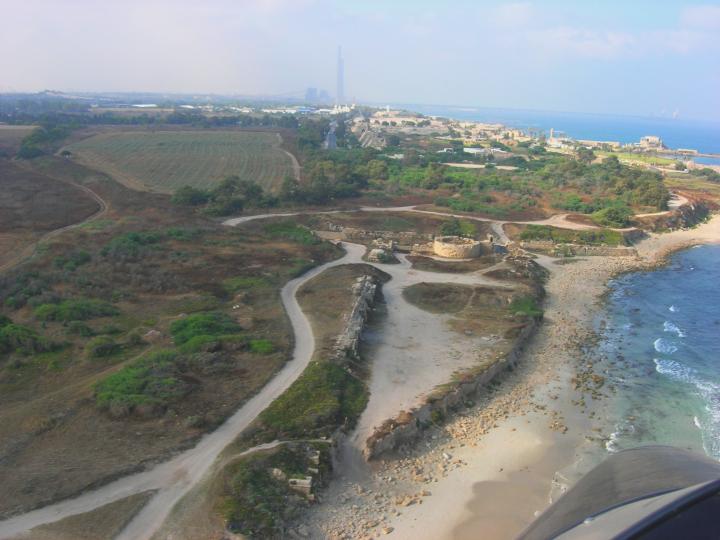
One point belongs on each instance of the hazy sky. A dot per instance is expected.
(631, 56)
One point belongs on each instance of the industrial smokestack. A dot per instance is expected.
(340, 93)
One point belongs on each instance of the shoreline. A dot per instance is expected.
(490, 470)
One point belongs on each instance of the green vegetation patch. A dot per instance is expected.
(211, 324)
(154, 379)
(287, 230)
(261, 346)
(130, 245)
(567, 236)
(72, 261)
(323, 398)
(458, 227)
(257, 503)
(242, 283)
(19, 338)
(80, 309)
(613, 216)
(527, 306)
(101, 347)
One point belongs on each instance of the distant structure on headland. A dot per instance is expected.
(340, 93)
(652, 142)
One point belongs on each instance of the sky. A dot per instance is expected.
(647, 58)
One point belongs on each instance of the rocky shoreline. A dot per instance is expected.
(550, 401)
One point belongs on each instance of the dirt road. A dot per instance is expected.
(174, 478)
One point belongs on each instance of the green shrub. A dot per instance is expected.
(261, 346)
(526, 305)
(77, 328)
(101, 347)
(190, 196)
(19, 338)
(153, 379)
(130, 245)
(613, 216)
(287, 230)
(198, 343)
(71, 261)
(456, 227)
(202, 324)
(75, 310)
(178, 233)
(567, 236)
(239, 283)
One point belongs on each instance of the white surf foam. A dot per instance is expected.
(672, 327)
(664, 346)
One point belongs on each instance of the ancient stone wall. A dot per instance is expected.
(364, 290)
(403, 238)
(408, 426)
(559, 250)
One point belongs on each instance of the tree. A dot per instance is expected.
(377, 170)
(613, 216)
(586, 155)
(393, 140)
(190, 196)
(434, 175)
(458, 146)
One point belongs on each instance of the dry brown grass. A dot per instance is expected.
(54, 440)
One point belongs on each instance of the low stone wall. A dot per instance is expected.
(408, 426)
(364, 289)
(560, 250)
(455, 247)
(405, 238)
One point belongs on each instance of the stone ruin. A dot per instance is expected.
(456, 247)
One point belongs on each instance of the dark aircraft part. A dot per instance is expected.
(648, 493)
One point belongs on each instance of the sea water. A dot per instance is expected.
(703, 136)
(662, 348)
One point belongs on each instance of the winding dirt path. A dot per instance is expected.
(174, 478)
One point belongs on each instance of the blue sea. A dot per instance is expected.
(676, 133)
(662, 344)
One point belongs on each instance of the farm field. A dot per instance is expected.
(11, 137)
(166, 160)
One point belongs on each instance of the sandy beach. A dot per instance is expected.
(487, 472)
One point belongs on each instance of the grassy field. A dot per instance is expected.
(641, 158)
(11, 137)
(166, 160)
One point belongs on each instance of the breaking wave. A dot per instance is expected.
(670, 327)
(663, 346)
(708, 391)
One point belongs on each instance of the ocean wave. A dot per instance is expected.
(671, 327)
(708, 391)
(672, 308)
(624, 428)
(663, 346)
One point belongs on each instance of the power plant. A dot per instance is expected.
(340, 90)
